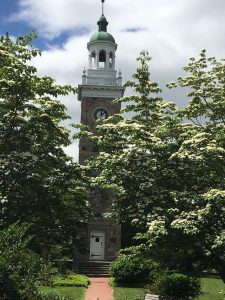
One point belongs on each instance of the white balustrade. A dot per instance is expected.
(101, 81)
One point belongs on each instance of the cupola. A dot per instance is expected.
(102, 46)
(101, 71)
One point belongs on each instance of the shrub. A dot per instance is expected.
(133, 269)
(177, 286)
(21, 270)
(71, 280)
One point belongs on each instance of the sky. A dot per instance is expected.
(172, 31)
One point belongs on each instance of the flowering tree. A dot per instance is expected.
(202, 157)
(166, 166)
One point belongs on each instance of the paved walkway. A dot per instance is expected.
(99, 289)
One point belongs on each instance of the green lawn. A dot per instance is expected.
(73, 293)
(124, 293)
(213, 288)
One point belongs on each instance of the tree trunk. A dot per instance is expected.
(219, 265)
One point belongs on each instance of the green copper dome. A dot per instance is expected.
(102, 36)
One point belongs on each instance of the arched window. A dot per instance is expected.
(102, 59)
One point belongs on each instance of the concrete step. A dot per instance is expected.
(94, 268)
(151, 297)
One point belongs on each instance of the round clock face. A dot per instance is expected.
(100, 113)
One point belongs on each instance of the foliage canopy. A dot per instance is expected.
(40, 184)
(167, 164)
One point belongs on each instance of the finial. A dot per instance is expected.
(103, 7)
(102, 23)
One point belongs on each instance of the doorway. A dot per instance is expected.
(97, 245)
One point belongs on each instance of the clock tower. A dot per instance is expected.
(101, 84)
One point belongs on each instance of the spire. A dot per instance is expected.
(103, 7)
(102, 23)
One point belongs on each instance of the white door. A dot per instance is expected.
(97, 245)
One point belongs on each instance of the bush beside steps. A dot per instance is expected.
(128, 269)
(71, 280)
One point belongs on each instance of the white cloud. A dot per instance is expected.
(173, 31)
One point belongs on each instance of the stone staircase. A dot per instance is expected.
(95, 268)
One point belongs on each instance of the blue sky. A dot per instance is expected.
(20, 27)
(7, 7)
(172, 31)
(13, 27)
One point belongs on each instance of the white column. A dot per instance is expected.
(90, 61)
(113, 61)
(107, 60)
(97, 59)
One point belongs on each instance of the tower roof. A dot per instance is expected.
(102, 34)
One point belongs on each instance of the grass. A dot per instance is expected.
(72, 293)
(213, 288)
(70, 286)
(125, 293)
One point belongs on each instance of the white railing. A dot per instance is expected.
(101, 81)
